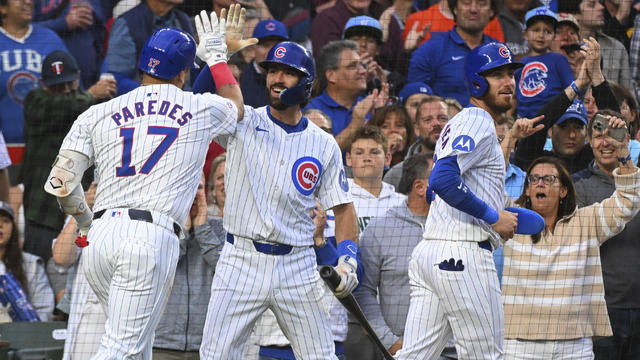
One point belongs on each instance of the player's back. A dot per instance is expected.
(471, 136)
(149, 146)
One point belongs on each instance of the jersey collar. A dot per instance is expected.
(301, 126)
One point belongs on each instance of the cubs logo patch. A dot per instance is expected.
(532, 80)
(305, 174)
(271, 26)
(280, 52)
(504, 52)
(342, 179)
(464, 143)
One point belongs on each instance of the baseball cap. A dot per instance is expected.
(540, 13)
(575, 111)
(270, 28)
(363, 25)
(6, 209)
(566, 18)
(59, 67)
(412, 89)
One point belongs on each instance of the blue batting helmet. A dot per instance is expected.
(482, 59)
(296, 57)
(167, 52)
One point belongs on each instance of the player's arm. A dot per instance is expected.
(446, 181)
(64, 183)
(347, 248)
(217, 39)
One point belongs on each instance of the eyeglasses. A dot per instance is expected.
(547, 179)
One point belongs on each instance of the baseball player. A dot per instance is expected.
(280, 162)
(149, 148)
(454, 284)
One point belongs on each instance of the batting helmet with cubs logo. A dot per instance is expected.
(167, 52)
(298, 58)
(482, 59)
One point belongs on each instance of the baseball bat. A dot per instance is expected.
(332, 279)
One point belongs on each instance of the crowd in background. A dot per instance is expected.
(389, 76)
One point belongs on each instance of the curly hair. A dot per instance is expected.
(12, 258)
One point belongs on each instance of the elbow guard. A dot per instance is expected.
(66, 173)
(75, 205)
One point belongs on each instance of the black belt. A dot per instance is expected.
(269, 249)
(141, 215)
(485, 245)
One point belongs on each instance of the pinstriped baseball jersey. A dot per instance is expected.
(279, 169)
(149, 146)
(470, 135)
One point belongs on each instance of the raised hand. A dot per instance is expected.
(525, 127)
(415, 37)
(235, 27)
(212, 47)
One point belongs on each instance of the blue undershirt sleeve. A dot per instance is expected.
(446, 182)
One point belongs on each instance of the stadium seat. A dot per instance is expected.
(34, 340)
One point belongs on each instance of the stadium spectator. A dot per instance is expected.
(454, 106)
(545, 73)
(618, 256)
(339, 90)
(562, 262)
(618, 18)
(439, 62)
(48, 115)
(393, 21)
(23, 46)
(216, 195)
(368, 154)
(26, 268)
(629, 110)
(131, 30)
(328, 25)
(567, 33)
(411, 96)
(441, 19)
(253, 80)
(5, 161)
(512, 19)
(386, 246)
(319, 118)
(367, 33)
(81, 24)
(634, 56)
(590, 16)
(431, 117)
(396, 126)
(568, 136)
(179, 332)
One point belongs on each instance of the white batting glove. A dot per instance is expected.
(346, 267)
(212, 46)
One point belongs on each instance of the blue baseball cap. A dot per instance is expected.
(270, 28)
(412, 89)
(540, 13)
(363, 25)
(575, 111)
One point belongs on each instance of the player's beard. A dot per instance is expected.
(275, 103)
(496, 104)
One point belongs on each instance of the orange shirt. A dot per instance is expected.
(439, 23)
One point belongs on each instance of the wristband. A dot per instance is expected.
(347, 247)
(326, 254)
(490, 216)
(222, 75)
(623, 161)
(579, 93)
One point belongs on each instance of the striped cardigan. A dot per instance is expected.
(553, 290)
